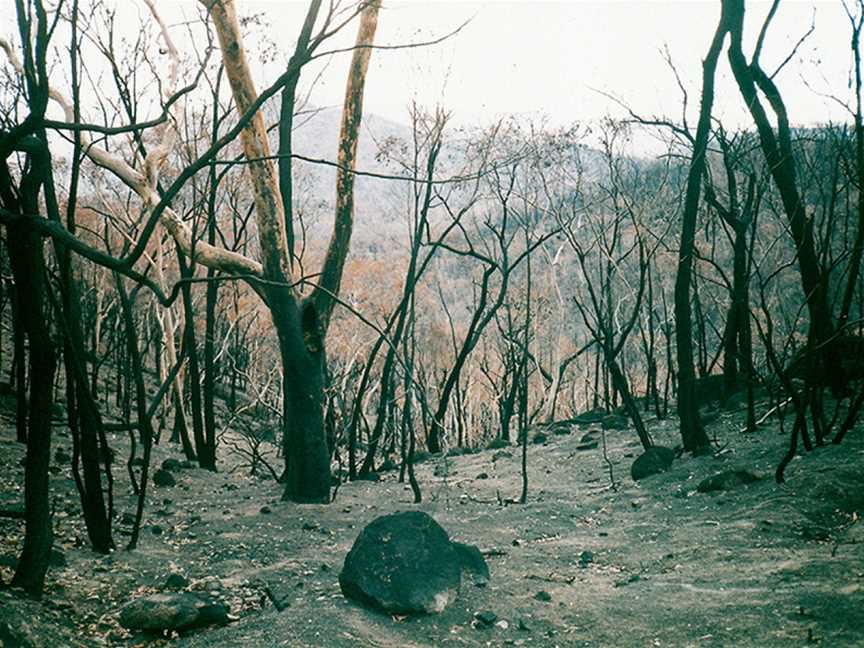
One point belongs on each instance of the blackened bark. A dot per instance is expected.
(28, 271)
(191, 346)
(778, 154)
(302, 347)
(693, 433)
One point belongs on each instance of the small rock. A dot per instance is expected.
(543, 595)
(502, 624)
(591, 416)
(591, 445)
(175, 581)
(633, 578)
(310, 526)
(482, 475)
(155, 529)
(726, 480)
(265, 510)
(615, 422)
(524, 625)
(586, 558)
(654, 460)
(164, 478)
(172, 465)
(172, 612)
(486, 618)
(539, 438)
(502, 454)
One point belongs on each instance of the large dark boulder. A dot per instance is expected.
(403, 563)
(654, 460)
(172, 612)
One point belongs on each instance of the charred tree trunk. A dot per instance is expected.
(692, 431)
(28, 271)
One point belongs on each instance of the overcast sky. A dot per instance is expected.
(555, 58)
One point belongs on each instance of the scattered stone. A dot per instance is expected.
(615, 422)
(482, 475)
(561, 428)
(172, 612)
(591, 416)
(815, 533)
(654, 460)
(444, 469)
(175, 581)
(402, 563)
(543, 595)
(539, 438)
(172, 465)
(265, 510)
(633, 578)
(164, 478)
(586, 558)
(502, 454)
(485, 618)
(726, 480)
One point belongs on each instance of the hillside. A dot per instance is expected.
(583, 563)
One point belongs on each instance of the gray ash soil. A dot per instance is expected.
(761, 565)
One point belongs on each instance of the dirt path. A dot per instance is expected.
(763, 565)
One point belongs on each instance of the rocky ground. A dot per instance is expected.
(592, 559)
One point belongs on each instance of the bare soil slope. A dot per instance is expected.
(581, 564)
